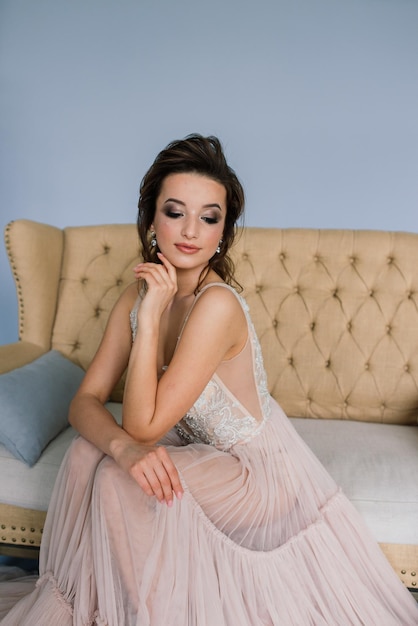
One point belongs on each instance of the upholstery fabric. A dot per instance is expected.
(34, 402)
(337, 315)
(376, 466)
(35, 260)
(97, 267)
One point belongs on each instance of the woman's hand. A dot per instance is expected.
(152, 468)
(161, 282)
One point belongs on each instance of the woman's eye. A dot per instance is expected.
(210, 220)
(173, 214)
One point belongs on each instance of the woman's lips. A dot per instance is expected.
(186, 248)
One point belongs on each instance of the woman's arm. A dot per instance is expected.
(87, 413)
(151, 467)
(216, 330)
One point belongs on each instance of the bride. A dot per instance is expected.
(205, 508)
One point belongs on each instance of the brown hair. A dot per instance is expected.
(201, 155)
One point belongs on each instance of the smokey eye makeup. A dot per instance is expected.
(210, 219)
(173, 213)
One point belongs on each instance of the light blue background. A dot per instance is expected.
(316, 102)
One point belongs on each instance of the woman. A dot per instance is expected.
(205, 508)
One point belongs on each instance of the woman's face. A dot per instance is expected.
(189, 219)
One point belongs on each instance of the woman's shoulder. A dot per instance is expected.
(218, 298)
(130, 294)
(126, 301)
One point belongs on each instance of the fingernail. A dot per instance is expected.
(179, 495)
(170, 503)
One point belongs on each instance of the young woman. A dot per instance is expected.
(205, 508)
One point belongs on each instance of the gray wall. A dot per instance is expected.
(315, 101)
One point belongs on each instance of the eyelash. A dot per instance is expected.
(209, 220)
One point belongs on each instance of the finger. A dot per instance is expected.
(142, 481)
(156, 272)
(171, 270)
(153, 477)
(164, 486)
(149, 482)
(172, 472)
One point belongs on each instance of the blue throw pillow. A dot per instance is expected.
(34, 403)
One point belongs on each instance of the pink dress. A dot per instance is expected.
(262, 537)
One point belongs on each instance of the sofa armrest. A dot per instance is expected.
(14, 355)
(35, 255)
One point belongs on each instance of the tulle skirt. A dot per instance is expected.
(261, 537)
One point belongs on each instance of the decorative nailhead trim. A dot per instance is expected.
(21, 306)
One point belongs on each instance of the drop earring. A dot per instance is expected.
(218, 249)
(153, 239)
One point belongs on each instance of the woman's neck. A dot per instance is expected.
(187, 282)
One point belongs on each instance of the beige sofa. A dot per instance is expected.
(337, 315)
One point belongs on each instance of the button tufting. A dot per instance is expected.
(327, 363)
(84, 280)
(390, 260)
(367, 366)
(275, 323)
(409, 294)
(406, 367)
(296, 289)
(352, 260)
(119, 282)
(282, 256)
(371, 293)
(316, 258)
(335, 293)
(245, 256)
(349, 326)
(76, 345)
(290, 360)
(388, 329)
(106, 249)
(97, 312)
(312, 325)
(383, 406)
(258, 288)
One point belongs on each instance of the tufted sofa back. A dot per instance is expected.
(336, 311)
(337, 316)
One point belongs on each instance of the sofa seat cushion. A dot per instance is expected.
(377, 467)
(31, 487)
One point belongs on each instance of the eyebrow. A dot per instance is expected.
(213, 205)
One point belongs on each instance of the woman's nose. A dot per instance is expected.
(190, 228)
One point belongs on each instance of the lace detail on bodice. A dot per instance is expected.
(133, 318)
(217, 417)
(213, 420)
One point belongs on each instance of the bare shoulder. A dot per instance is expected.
(219, 312)
(126, 301)
(129, 295)
(220, 297)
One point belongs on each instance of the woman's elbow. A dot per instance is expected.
(143, 435)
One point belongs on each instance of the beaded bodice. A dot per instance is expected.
(218, 417)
